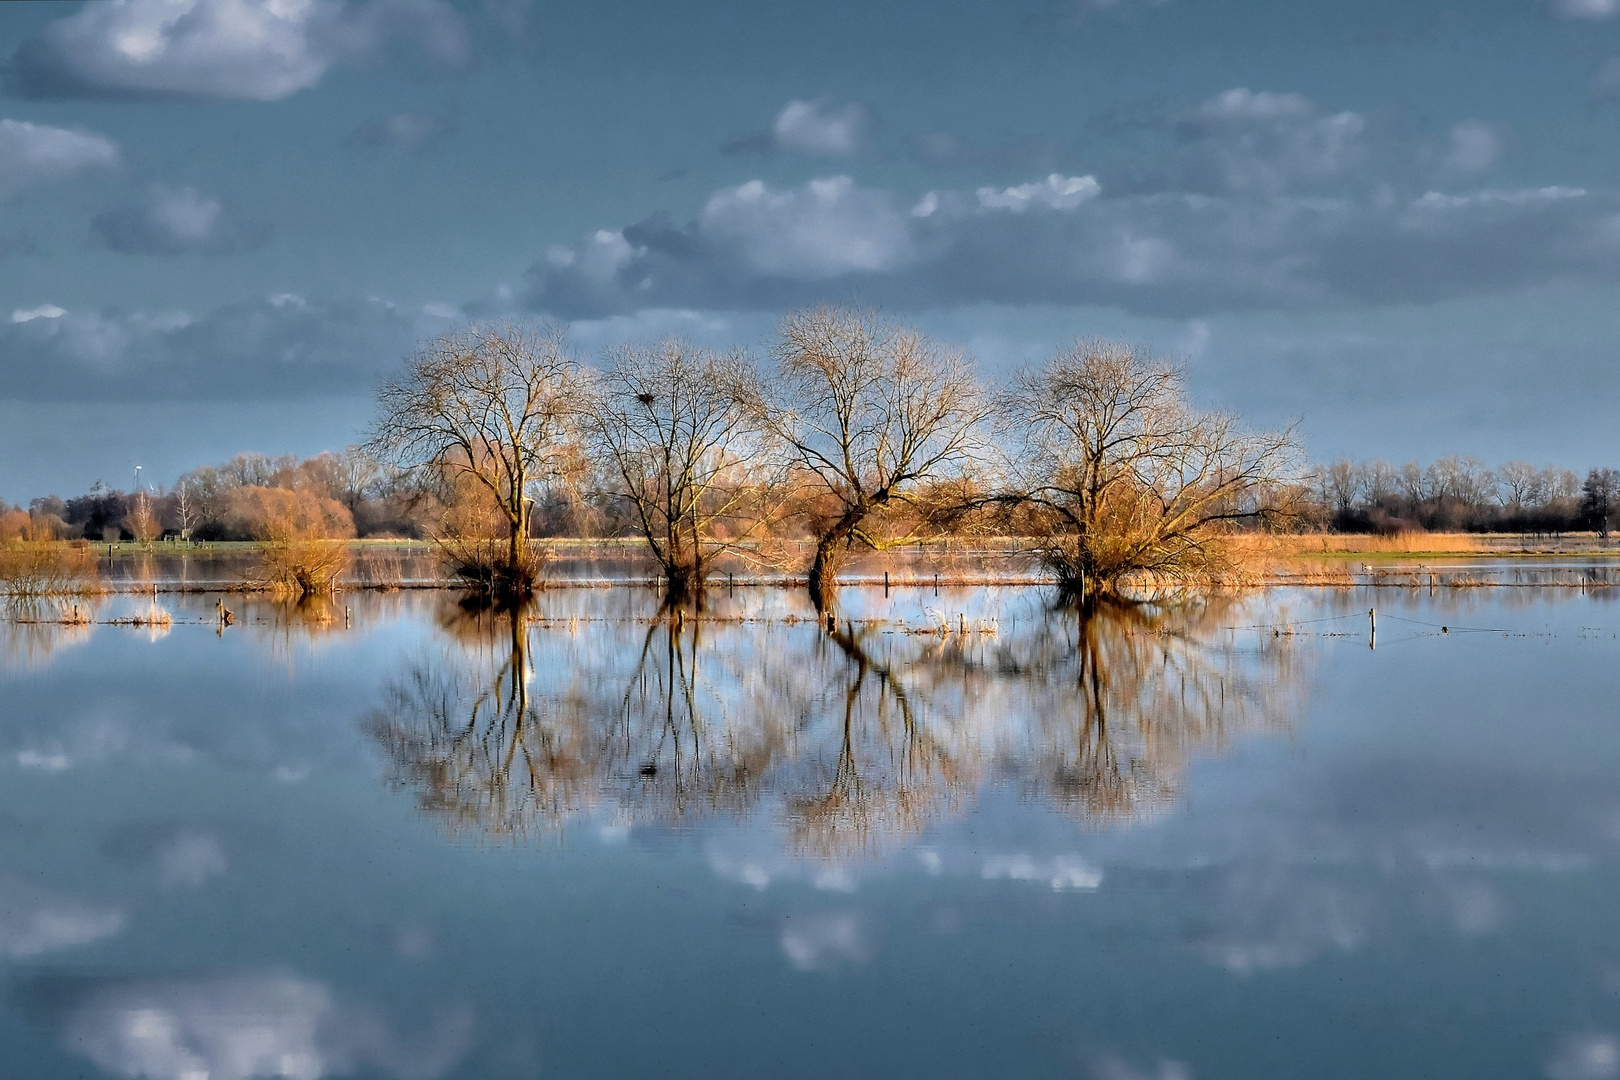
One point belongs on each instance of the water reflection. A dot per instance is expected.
(850, 738)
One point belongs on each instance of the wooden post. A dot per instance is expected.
(1372, 628)
(885, 583)
(936, 583)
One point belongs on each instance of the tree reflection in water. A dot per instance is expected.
(852, 738)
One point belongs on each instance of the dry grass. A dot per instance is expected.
(1406, 543)
(47, 568)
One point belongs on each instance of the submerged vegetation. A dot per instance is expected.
(32, 568)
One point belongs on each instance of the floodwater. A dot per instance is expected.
(960, 834)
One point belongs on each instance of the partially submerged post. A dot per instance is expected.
(1372, 628)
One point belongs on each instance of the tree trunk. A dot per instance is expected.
(824, 572)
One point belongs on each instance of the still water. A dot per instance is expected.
(412, 841)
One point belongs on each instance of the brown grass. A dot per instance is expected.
(1406, 543)
(42, 568)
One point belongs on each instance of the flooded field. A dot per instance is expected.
(957, 833)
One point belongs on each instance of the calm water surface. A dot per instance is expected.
(1224, 840)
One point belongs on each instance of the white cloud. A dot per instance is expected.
(44, 311)
(822, 128)
(33, 921)
(822, 942)
(826, 228)
(35, 154)
(244, 1027)
(1056, 192)
(260, 50)
(1586, 1056)
(175, 221)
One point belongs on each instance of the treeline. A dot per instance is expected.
(335, 495)
(851, 433)
(1459, 493)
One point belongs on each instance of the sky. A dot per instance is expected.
(222, 221)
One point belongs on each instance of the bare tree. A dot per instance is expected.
(1414, 484)
(669, 421)
(492, 410)
(1518, 486)
(1379, 481)
(187, 514)
(1133, 479)
(1341, 483)
(866, 412)
(142, 521)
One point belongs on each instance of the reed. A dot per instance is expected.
(47, 568)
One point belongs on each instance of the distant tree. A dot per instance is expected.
(1518, 486)
(1600, 496)
(1341, 483)
(141, 521)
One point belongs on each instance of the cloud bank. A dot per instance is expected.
(1268, 201)
(279, 347)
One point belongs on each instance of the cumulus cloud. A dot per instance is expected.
(241, 1027)
(270, 348)
(411, 130)
(36, 154)
(175, 221)
(33, 921)
(822, 127)
(1248, 142)
(258, 50)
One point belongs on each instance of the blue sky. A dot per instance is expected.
(220, 220)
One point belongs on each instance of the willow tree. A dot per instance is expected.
(867, 412)
(491, 411)
(667, 421)
(1130, 478)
